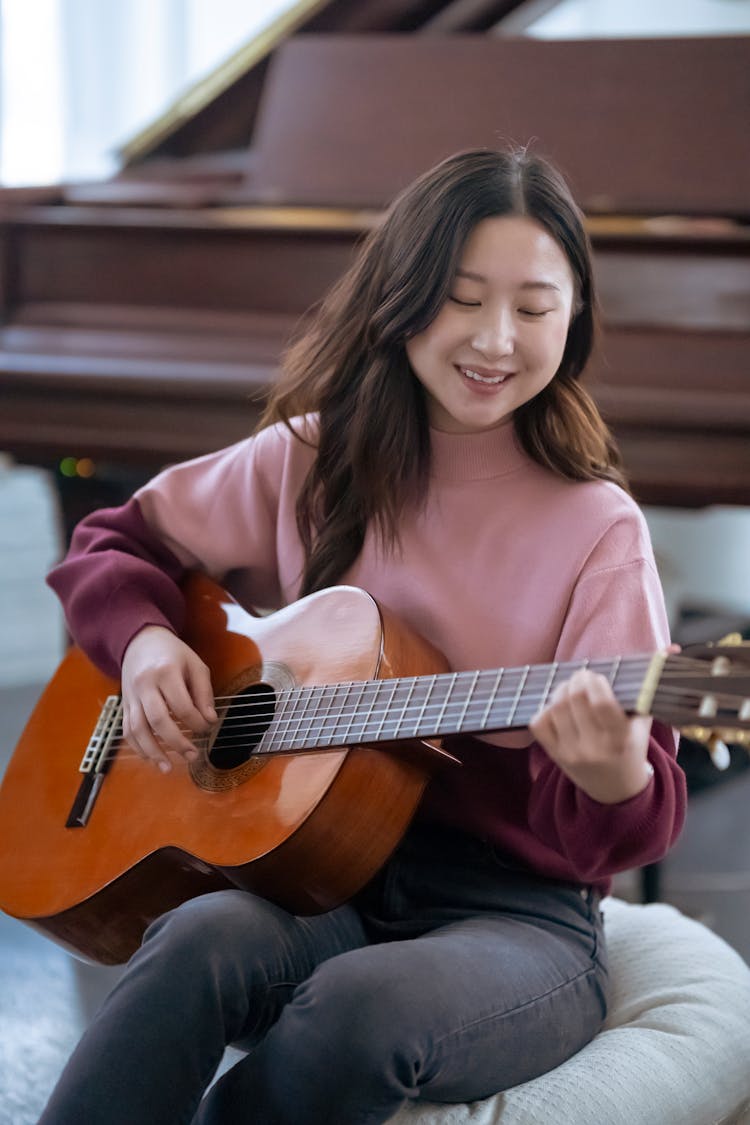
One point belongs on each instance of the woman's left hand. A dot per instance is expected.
(586, 732)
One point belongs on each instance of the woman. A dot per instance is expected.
(430, 441)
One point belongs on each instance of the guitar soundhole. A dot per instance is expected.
(246, 720)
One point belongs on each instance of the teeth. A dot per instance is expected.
(490, 379)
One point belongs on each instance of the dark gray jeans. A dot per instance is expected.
(452, 977)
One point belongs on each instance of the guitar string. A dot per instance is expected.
(249, 720)
(251, 716)
(298, 742)
(305, 694)
(698, 671)
(301, 699)
(201, 742)
(307, 725)
(631, 682)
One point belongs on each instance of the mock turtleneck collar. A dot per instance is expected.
(479, 456)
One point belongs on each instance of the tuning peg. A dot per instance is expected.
(717, 748)
(719, 753)
(716, 741)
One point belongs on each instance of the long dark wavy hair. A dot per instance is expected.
(349, 364)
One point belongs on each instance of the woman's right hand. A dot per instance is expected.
(166, 692)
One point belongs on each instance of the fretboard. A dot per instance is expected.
(413, 707)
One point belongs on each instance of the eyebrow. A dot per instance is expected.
(524, 285)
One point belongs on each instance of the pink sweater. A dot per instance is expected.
(504, 564)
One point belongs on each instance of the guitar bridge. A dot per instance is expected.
(95, 761)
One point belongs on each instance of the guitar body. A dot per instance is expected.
(306, 830)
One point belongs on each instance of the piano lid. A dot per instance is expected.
(218, 112)
(625, 119)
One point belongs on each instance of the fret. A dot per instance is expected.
(291, 704)
(292, 720)
(400, 702)
(536, 698)
(353, 705)
(364, 726)
(492, 698)
(307, 700)
(634, 672)
(303, 699)
(272, 740)
(343, 740)
(435, 727)
(553, 670)
(386, 706)
(429, 685)
(325, 731)
(484, 696)
(613, 670)
(365, 711)
(521, 685)
(469, 698)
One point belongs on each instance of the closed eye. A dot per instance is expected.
(466, 304)
(534, 312)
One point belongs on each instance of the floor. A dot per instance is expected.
(47, 997)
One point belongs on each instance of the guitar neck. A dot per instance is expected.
(417, 707)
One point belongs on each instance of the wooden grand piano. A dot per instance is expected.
(143, 318)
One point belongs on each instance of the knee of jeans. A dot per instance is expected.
(204, 912)
(373, 1017)
(222, 924)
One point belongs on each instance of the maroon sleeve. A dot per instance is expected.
(117, 577)
(598, 839)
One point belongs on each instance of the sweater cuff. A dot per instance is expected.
(123, 622)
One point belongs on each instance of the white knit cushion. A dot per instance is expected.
(675, 1049)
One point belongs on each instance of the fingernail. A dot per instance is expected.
(165, 767)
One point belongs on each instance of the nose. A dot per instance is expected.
(495, 334)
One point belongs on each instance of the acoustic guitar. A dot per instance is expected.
(329, 716)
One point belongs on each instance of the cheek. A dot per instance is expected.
(414, 352)
(553, 345)
(425, 345)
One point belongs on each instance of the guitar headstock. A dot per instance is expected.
(705, 691)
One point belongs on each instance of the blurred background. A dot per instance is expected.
(181, 179)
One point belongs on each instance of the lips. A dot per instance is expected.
(485, 377)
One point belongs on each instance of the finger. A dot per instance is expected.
(202, 692)
(544, 730)
(563, 715)
(544, 726)
(182, 707)
(549, 725)
(566, 724)
(566, 732)
(593, 705)
(139, 735)
(163, 725)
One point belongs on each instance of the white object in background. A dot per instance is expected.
(32, 629)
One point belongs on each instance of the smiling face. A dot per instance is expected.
(499, 337)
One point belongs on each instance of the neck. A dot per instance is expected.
(419, 707)
(476, 456)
